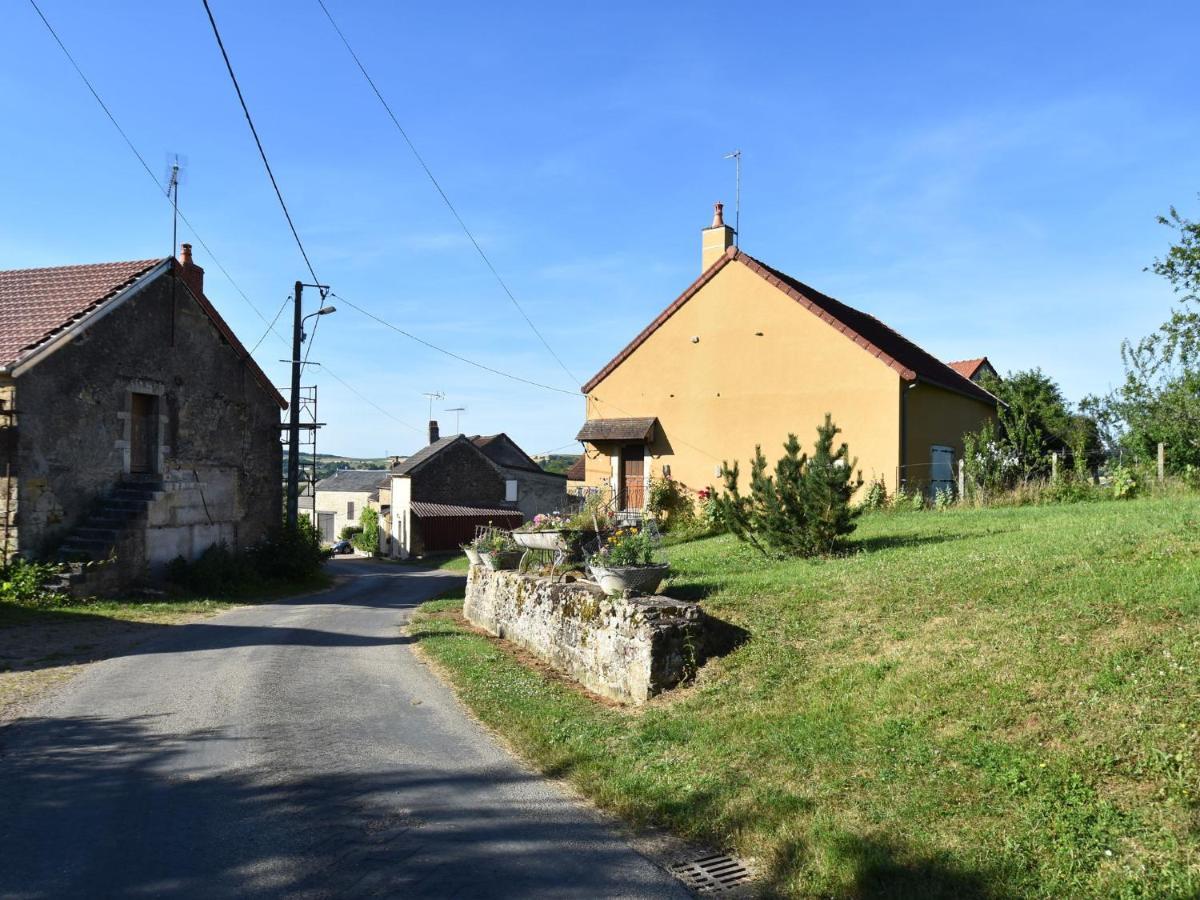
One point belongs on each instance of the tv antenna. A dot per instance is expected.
(431, 396)
(458, 411)
(176, 165)
(736, 156)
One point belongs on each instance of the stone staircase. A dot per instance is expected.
(112, 518)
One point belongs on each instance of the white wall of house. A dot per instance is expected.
(346, 507)
(401, 546)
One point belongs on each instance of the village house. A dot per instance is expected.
(442, 493)
(341, 498)
(975, 369)
(133, 423)
(527, 484)
(748, 354)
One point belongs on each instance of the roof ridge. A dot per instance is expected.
(147, 263)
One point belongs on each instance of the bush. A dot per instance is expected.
(800, 511)
(25, 583)
(876, 495)
(1123, 482)
(671, 505)
(367, 538)
(289, 555)
(348, 532)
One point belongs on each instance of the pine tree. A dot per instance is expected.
(803, 508)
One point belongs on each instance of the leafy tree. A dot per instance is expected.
(1159, 400)
(800, 510)
(367, 539)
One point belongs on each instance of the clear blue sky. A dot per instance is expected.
(984, 180)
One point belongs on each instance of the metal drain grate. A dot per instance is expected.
(717, 873)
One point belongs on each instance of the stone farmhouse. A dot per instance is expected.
(747, 354)
(133, 424)
(527, 484)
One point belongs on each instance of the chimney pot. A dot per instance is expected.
(192, 274)
(715, 239)
(433, 431)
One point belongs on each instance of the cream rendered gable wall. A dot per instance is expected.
(763, 366)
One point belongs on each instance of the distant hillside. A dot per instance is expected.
(328, 463)
(558, 463)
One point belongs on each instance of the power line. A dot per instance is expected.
(446, 199)
(368, 400)
(271, 326)
(261, 152)
(450, 353)
(121, 131)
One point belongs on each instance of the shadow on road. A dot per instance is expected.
(104, 807)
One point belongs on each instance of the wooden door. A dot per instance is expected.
(325, 527)
(143, 433)
(633, 477)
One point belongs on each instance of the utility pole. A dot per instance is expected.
(293, 470)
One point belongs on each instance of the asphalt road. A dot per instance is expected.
(297, 749)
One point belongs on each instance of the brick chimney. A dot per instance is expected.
(192, 274)
(433, 431)
(715, 239)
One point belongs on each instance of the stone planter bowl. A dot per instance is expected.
(505, 559)
(638, 579)
(472, 554)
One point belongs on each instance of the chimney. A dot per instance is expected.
(715, 239)
(433, 431)
(192, 274)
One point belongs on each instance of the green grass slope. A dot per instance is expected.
(996, 703)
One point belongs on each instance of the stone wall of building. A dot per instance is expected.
(459, 474)
(218, 426)
(624, 648)
(8, 469)
(538, 492)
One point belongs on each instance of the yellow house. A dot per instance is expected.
(748, 354)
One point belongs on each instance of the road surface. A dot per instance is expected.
(294, 749)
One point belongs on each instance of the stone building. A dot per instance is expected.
(527, 484)
(441, 493)
(133, 424)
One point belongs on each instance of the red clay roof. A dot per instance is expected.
(577, 471)
(968, 367)
(37, 304)
(889, 346)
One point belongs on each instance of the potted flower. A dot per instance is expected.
(543, 532)
(472, 553)
(625, 562)
(497, 550)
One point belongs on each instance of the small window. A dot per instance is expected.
(350, 510)
(510, 490)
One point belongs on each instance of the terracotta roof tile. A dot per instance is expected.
(968, 367)
(577, 470)
(36, 304)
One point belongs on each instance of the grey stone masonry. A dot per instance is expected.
(624, 648)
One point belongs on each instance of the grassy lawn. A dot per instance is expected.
(994, 703)
(42, 647)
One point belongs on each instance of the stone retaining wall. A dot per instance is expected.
(624, 648)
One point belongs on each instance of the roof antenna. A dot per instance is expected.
(458, 411)
(173, 179)
(736, 156)
(431, 396)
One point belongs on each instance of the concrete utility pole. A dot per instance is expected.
(293, 470)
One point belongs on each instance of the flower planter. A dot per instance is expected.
(638, 579)
(542, 540)
(472, 554)
(504, 559)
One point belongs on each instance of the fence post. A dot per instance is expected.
(1054, 466)
(1162, 461)
(962, 481)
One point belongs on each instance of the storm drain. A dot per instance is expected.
(717, 873)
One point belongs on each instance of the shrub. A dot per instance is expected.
(25, 583)
(288, 555)
(348, 532)
(1123, 482)
(804, 508)
(367, 538)
(876, 495)
(671, 505)
(943, 499)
